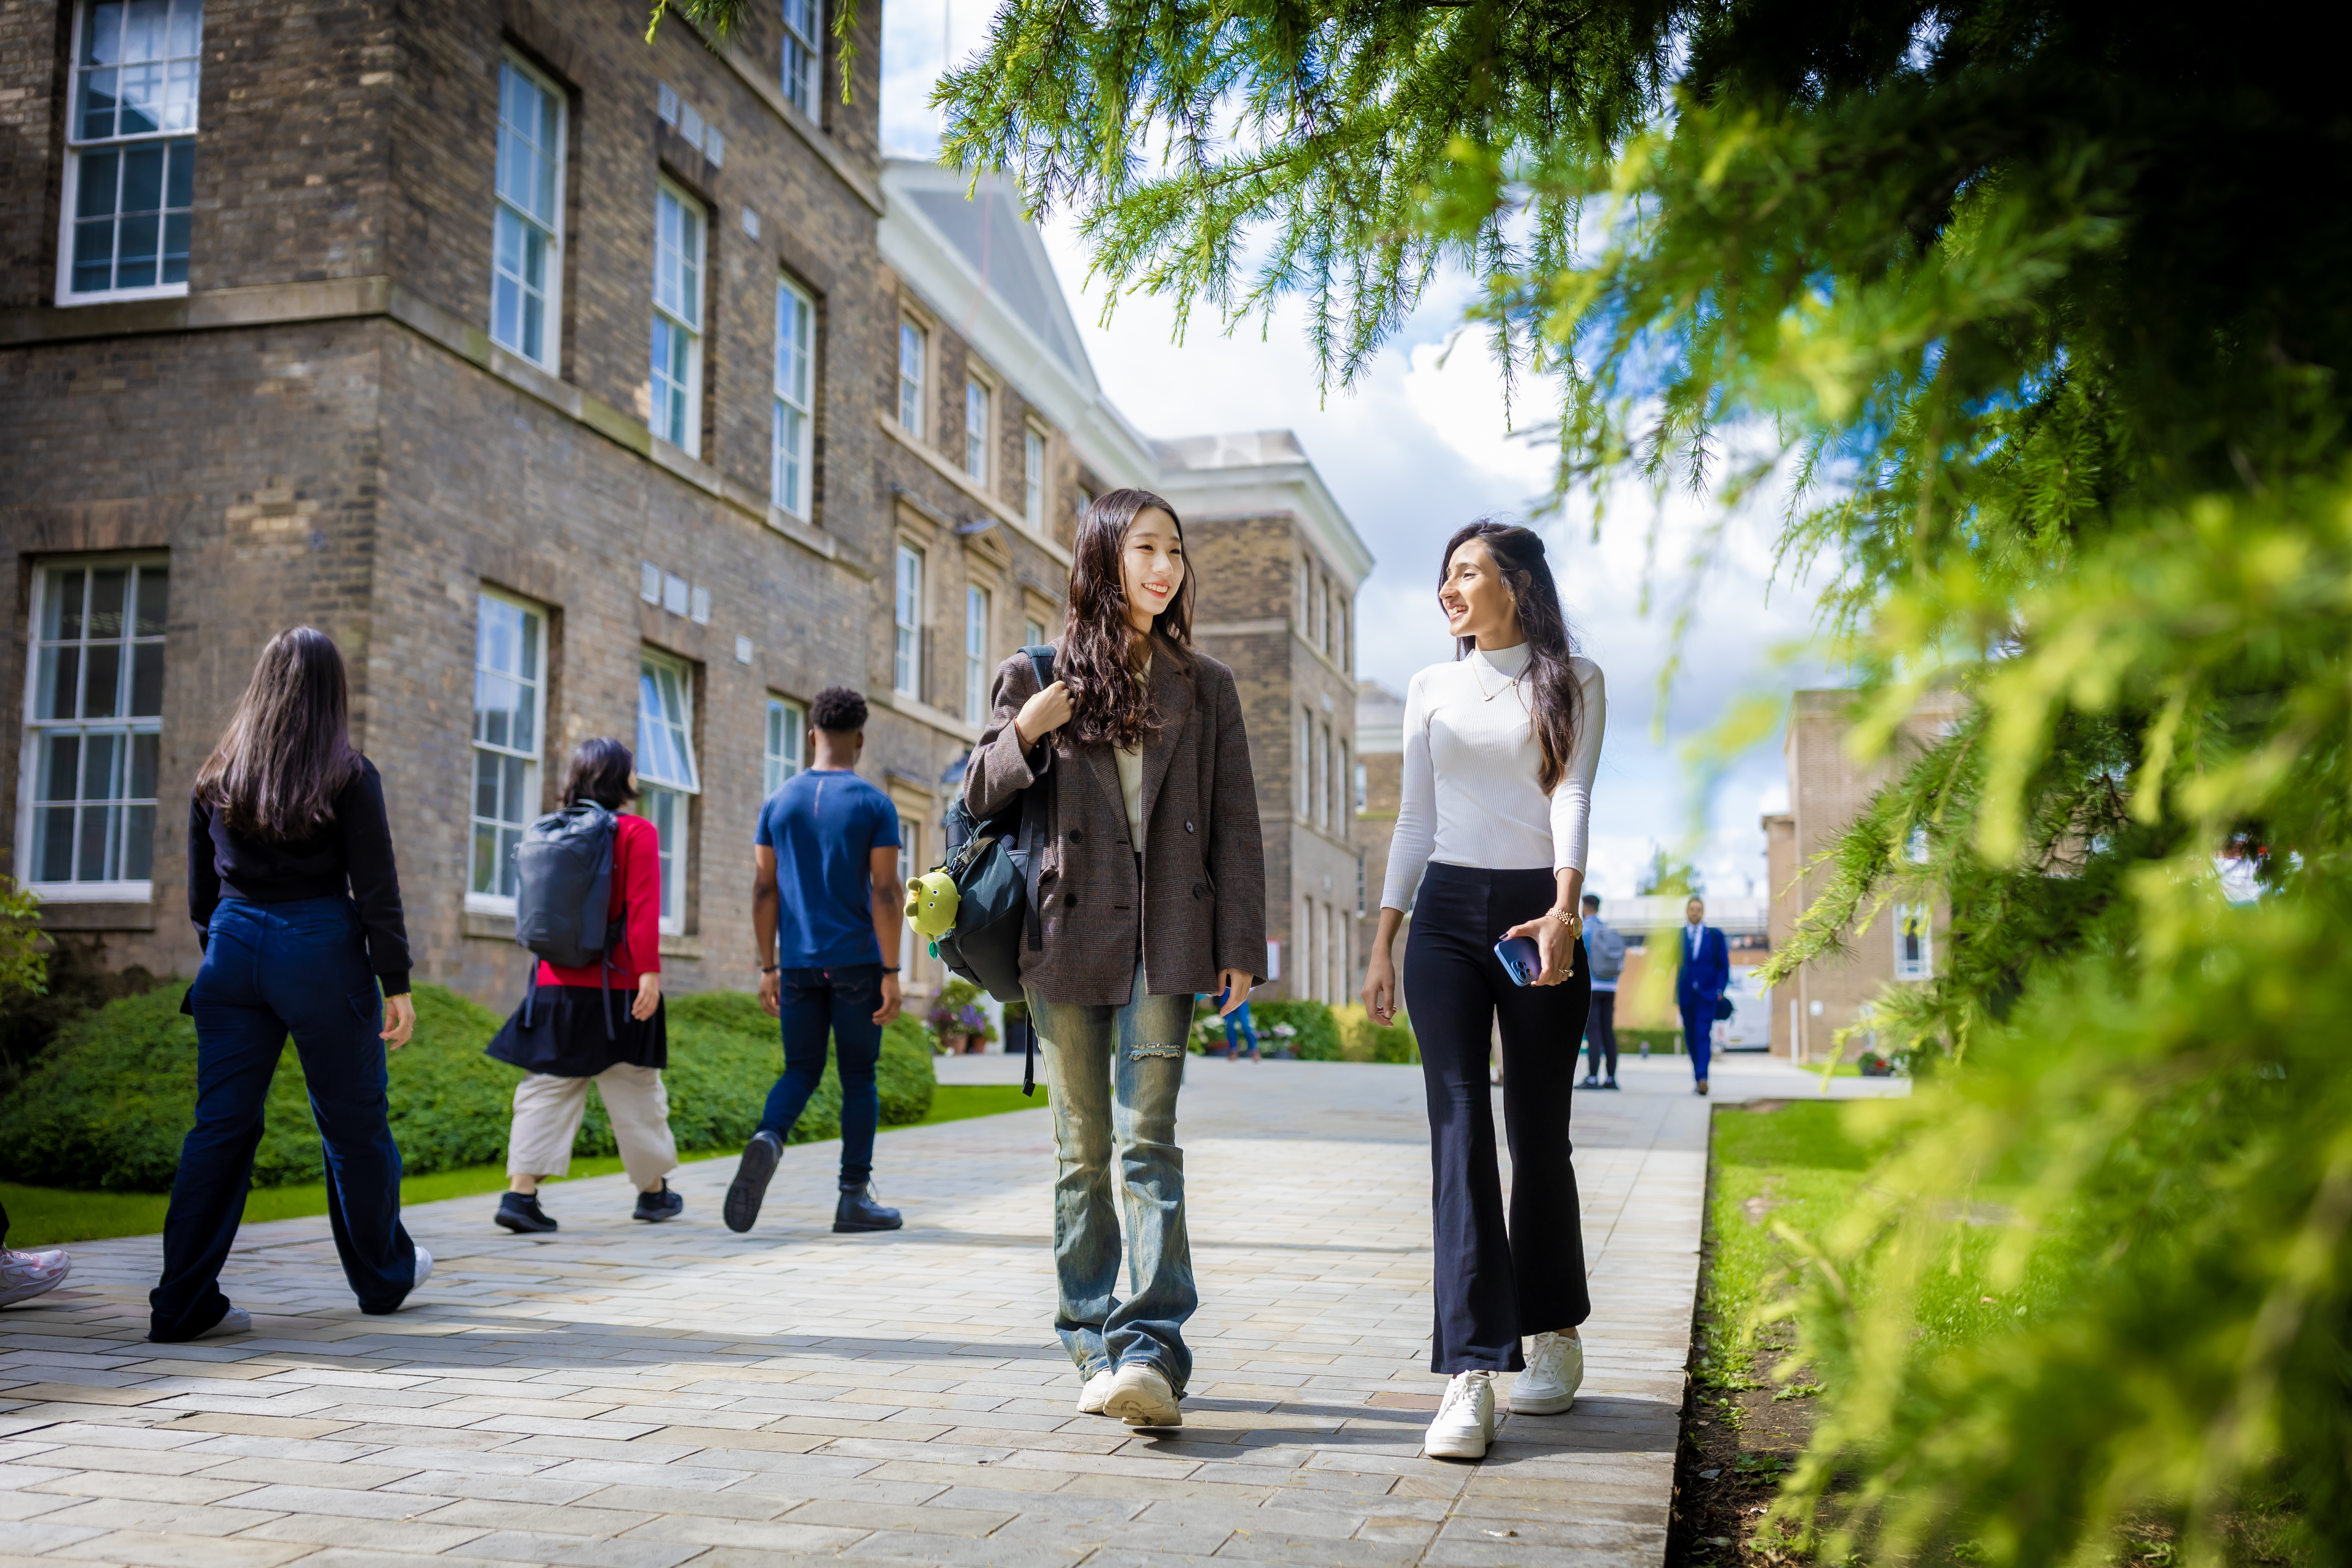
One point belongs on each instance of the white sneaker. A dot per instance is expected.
(424, 1269)
(25, 1275)
(1465, 1418)
(1139, 1396)
(1555, 1371)
(1095, 1394)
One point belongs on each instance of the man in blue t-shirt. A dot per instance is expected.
(826, 914)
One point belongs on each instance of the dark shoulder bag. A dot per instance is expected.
(993, 863)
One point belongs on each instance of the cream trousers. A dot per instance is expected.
(547, 1112)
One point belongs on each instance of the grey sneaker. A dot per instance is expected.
(424, 1269)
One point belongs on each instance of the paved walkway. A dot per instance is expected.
(622, 1396)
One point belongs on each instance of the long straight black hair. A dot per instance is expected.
(286, 751)
(1097, 653)
(1556, 701)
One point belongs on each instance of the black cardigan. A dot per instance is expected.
(354, 849)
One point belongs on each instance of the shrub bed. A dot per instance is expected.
(1316, 1038)
(106, 1107)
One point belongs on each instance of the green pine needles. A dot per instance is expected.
(2042, 306)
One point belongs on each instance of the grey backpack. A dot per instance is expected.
(563, 888)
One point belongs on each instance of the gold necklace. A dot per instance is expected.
(1483, 692)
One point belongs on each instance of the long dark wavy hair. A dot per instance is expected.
(1555, 701)
(1097, 658)
(286, 751)
(600, 772)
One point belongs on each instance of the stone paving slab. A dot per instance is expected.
(622, 1395)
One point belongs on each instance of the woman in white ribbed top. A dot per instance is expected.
(1499, 752)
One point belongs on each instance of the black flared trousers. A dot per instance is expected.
(1495, 1282)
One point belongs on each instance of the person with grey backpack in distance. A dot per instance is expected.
(1605, 946)
(588, 906)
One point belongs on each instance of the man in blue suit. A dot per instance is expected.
(1700, 986)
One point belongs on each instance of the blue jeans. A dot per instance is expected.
(268, 969)
(1699, 1033)
(1237, 1028)
(1113, 1073)
(839, 1002)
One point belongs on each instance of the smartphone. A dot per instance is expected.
(1520, 959)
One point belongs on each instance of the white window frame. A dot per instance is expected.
(907, 622)
(1343, 783)
(675, 314)
(552, 295)
(914, 364)
(77, 148)
(1919, 918)
(1306, 790)
(784, 753)
(666, 792)
(1363, 776)
(802, 67)
(792, 479)
(1323, 776)
(530, 790)
(1032, 477)
(1034, 634)
(978, 602)
(978, 395)
(125, 889)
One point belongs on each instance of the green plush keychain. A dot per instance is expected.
(931, 900)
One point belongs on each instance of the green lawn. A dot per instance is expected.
(1793, 1164)
(44, 1217)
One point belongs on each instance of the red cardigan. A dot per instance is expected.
(636, 884)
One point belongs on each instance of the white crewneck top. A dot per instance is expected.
(1470, 796)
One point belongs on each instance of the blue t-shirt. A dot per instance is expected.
(824, 827)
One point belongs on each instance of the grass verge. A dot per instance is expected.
(49, 1216)
(1772, 1161)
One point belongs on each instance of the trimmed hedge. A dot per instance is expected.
(108, 1104)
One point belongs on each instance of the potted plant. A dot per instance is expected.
(958, 1022)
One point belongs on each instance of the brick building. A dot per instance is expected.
(1827, 790)
(575, 386)
(1280, 567)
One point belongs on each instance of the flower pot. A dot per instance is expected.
(973, 1045)
(952, 1044)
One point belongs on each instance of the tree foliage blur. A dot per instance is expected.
(2041, 303)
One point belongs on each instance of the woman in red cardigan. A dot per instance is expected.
(581, 1023)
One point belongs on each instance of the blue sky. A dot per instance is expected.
(1418, 447)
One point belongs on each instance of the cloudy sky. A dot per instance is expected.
(1418, 447)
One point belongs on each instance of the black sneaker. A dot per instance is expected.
(1608, 1083)
(745, 1194)
(661, 1205)
(522, 1214)
(1590, 1082)
(858, 1211)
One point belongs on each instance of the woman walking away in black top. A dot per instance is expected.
(296, 899)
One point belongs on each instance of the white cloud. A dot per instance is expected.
(1420, 445)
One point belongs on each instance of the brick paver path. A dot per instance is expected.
(620, 1395)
